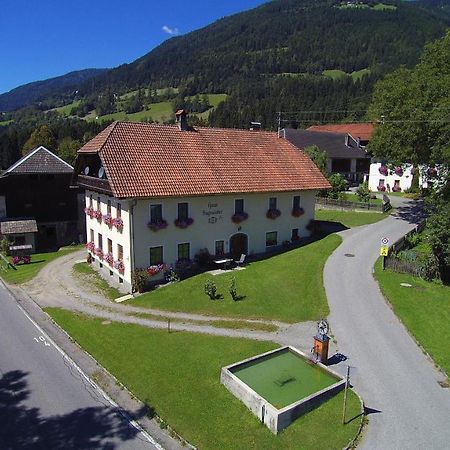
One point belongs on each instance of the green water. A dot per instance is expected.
(284, 378)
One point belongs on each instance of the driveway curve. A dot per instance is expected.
(399, 384)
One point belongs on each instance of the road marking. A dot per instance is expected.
(43, 340)
(147, 436)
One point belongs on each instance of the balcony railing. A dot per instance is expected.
(95, 184)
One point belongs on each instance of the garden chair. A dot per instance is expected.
(240, 261)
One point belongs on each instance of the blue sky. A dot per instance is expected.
(47, 38)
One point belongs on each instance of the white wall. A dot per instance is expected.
(375, 176)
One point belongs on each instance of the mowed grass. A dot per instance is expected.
(424, 308)
(86, 274)
(66, 109)
(286, 287)
(25, 272)
(355, 198)
(178, 374)
(349, 219)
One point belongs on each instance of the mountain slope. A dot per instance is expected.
(40, 90)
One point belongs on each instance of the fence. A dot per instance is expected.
(345, 204)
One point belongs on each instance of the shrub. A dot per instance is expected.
(171, 276)
(4, 246)
(232, 289)
(338, 185)
(211, 289)
(363, 193)
(139, 279)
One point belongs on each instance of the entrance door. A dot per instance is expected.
(238, 245)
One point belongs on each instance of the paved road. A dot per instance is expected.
(396, 380)
(45, 402)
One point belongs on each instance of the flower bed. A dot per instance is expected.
(273, 213)
(184, 223)
(155, 269)
(239, 217)
(119, 265)
(90, 246)
(383, 170)
(107, 218)
(16, 260)
(156, 226)
(109, 259)
(297, 212)
(118, 223)
(89, 212)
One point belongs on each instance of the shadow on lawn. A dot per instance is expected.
(25, 428)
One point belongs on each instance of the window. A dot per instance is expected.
(184, 250)
(294, 236)
(108, 210)
(272, 203)
(90, 201)
(381, 182)
(296, 202)
(110, 246)
(271, 238)
(220, 248)
(98, 204)
(119, 210)
(239, 206)
(156, 255)
(183, 211)
(155, 213)
(19, 240)
(100, 241)
(119, 252)
(92, 235)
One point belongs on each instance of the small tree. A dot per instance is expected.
(363, 193)
(233, 290)
(211, 289)
(338, 184)
(319, 158)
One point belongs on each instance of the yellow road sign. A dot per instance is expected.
(384, 250)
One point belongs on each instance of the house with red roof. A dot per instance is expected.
(158, 194)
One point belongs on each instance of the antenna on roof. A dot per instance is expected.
(255, 126)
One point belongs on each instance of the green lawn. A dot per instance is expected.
(350, 219)
(287, 287)
(66, 109)
(178, 374)
(5, 122)
(358, 74)
(355, 198)
(25, 272)
(84, 272)
(337, 74)
(424, 308)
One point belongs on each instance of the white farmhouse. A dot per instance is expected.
(156, 194)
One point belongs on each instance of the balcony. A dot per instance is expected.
(94, 184)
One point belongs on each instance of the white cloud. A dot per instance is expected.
(171, 31)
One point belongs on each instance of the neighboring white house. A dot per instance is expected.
(156, 194)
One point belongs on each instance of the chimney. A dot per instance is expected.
(181, 120)
(255, 126)
(346, 140)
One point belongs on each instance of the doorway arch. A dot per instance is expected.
(238, 245)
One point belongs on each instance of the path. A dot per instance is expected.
(396, 380)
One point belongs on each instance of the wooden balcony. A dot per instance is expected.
(94, 184)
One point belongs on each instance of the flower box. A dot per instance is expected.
(107, 218)
(381, 188)
(119, 265)
(156, 226)
(99, 253)
(396, 189)
(109, 259)
(297, 212)
(431, 172)
(273, 213)
(89, 212)
(90, 246)
(155, 269)
(183, 223)
(383, 170)
(118, 223)
(239, 217)
(98, 215)
(399, 171)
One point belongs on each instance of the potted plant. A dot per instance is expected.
(89, 211)
(297, 212)
(98, 215)
(118, 223)
(159, 225)
(398, 171)
(239, 217)
(99, 253)
(381, 188)
(119, 265)
(90, 246)
(273, 213)
(183, 223)
(107, 218)
(383, 170)
(109, 259)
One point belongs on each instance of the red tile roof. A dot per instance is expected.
(147, 160)
(362, 131)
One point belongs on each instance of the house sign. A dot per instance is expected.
(213, 213)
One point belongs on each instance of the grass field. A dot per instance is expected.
(286, 287)
(6, 122)
(178, 375)
(84, 272)
(66, 109)
(336, 74)
(355, 198)
(424, 308)
(349, 219)
(25, 272)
